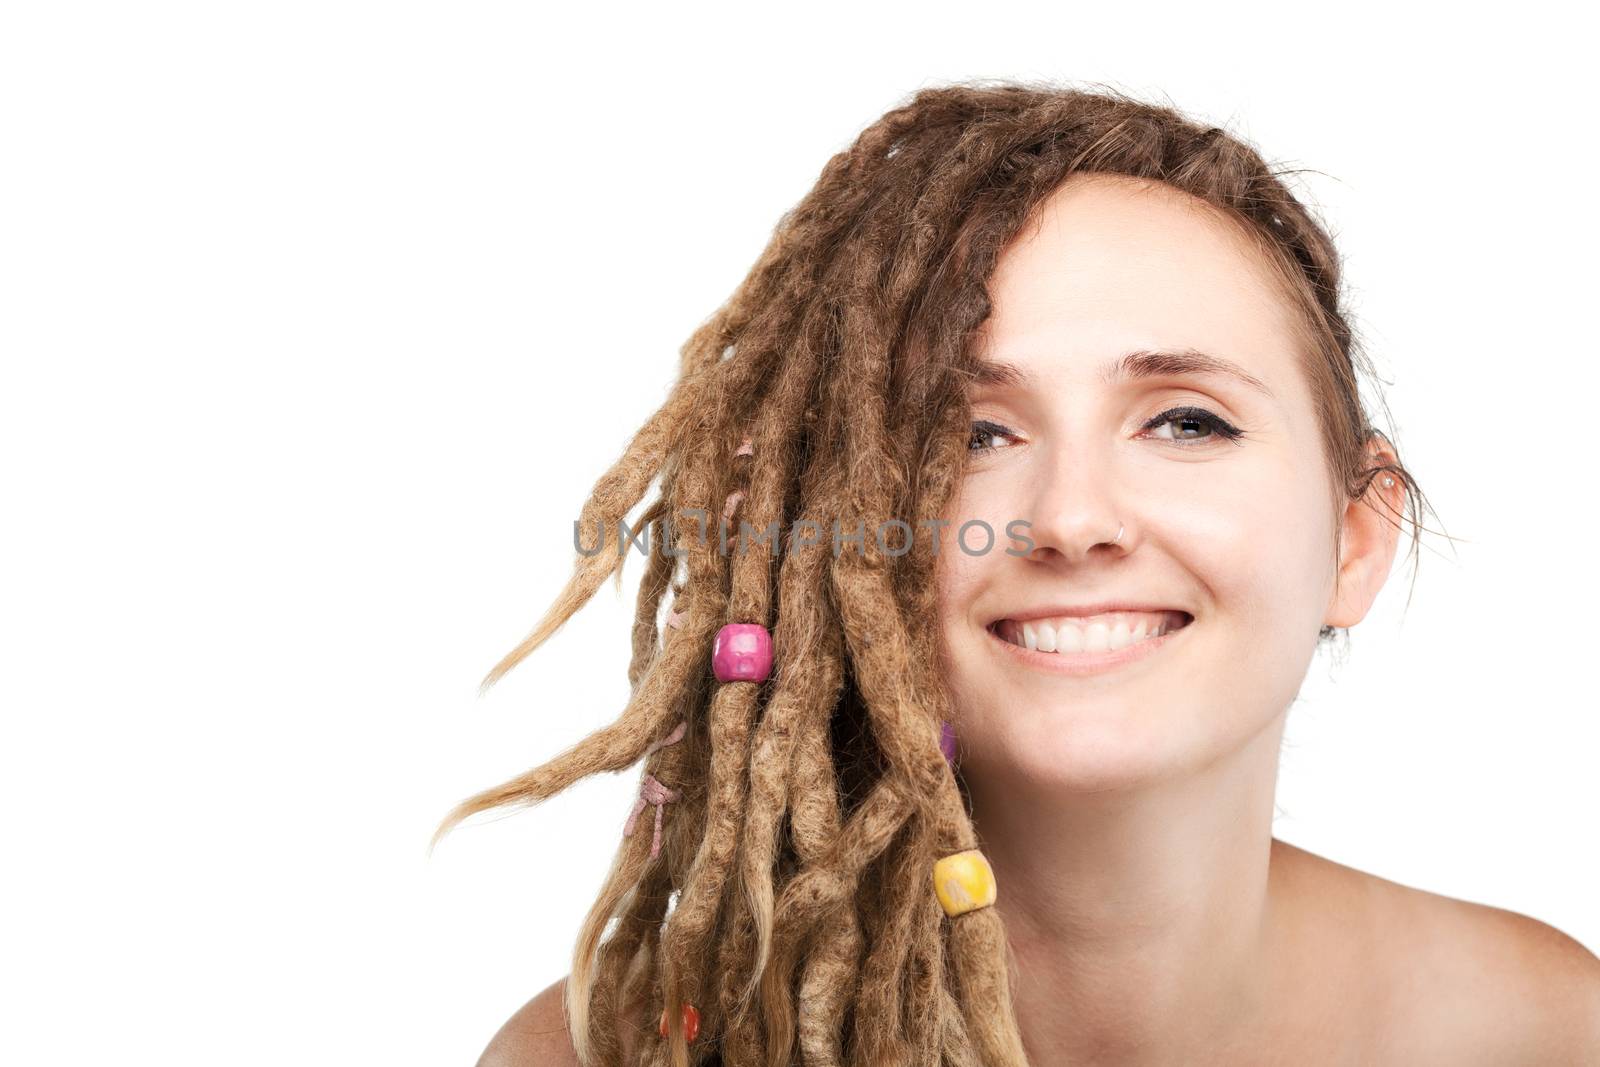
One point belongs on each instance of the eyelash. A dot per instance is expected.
(1221, 429)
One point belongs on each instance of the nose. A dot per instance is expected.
(1075, 511)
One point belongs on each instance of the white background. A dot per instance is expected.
(320, 319)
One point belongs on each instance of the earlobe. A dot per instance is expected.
(1371, 534)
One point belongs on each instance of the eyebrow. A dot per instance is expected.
(1133, 366)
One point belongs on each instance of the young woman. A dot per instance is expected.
(1040, 420)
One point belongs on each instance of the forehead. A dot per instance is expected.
(1111, 265)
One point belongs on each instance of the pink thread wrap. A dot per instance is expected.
(651, 791)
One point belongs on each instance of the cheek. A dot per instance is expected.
(1262, 544)
(956, 577)
(959, 576)
(958, 572)
(958, 581)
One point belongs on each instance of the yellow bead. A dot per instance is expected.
(964, 882)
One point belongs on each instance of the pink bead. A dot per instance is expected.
(742, 653)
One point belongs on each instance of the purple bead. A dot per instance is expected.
(742, 653)
(947, 742)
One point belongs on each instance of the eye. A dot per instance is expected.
(1195, 419)
(983, 430)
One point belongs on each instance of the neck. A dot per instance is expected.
(1141, 918)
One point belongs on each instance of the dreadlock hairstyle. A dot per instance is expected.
(791, 900)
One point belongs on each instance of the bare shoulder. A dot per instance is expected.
(535, 1036)
(1469, 983)
(539, 1035)
(1505, 981)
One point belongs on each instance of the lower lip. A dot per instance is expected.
(1085, 663)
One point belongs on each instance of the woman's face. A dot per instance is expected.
(1235, 533)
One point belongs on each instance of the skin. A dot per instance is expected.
(1128, 815)
(1152, 916)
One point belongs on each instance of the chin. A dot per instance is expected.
(1086, 751)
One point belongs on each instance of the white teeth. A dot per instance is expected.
(1069, 639)
(1047, 637)
(1069, 635)
(1121, 635)
(1097, 638)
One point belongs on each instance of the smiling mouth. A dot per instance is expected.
(1090, 639)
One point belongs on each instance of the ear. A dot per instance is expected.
(1371, 532)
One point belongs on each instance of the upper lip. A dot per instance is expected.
(1053, 611)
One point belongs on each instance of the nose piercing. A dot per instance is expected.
(1119, 534)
